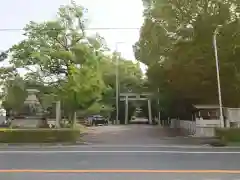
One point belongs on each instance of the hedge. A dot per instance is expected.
(38, 135)
(228, 134)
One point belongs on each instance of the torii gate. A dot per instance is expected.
(136, 97)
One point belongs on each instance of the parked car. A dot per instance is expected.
(95, 120)
(99, 120)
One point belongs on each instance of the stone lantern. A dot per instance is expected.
(33, 103)
(32, 109)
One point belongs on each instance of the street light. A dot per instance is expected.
(117, 84)
(218, 77)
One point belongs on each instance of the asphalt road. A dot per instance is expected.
(122, 152)
(119, 162)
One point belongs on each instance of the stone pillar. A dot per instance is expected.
(159, 118)
(75, 119)
(34, 110)
(149, 111)
(58, 114)
(126, 110)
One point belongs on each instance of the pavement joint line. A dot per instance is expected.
(116, 151)
(117, 171)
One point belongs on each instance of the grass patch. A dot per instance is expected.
(228, 136)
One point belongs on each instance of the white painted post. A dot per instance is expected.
(126, 110)
(58, 113)
(149, 111)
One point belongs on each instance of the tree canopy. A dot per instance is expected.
(176, 42)
(66, 64)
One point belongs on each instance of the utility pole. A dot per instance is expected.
(218, 76)
(117, 84)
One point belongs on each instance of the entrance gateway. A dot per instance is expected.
(136, 97)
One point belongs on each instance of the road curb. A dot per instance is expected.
(42, 144)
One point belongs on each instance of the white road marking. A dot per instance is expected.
(150, 146)
(91, 145)
(160, 152)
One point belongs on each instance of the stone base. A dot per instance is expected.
(205, 132)
(28, 123)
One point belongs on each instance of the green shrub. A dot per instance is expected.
(38, 135)
(228, 134)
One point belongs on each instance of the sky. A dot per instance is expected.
(101, 14)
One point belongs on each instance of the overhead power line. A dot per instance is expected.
(87, 29)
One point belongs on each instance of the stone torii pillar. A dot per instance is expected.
(149, 111)
(126, 110)
(134, 97)
(58, 114)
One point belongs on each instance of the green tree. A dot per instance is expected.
(84, 88)
(176, 44)
(14, 94)
(130, 73)
(53, 46)
(60, 54)
(65, 64)
(130, 79)
(6, 72)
